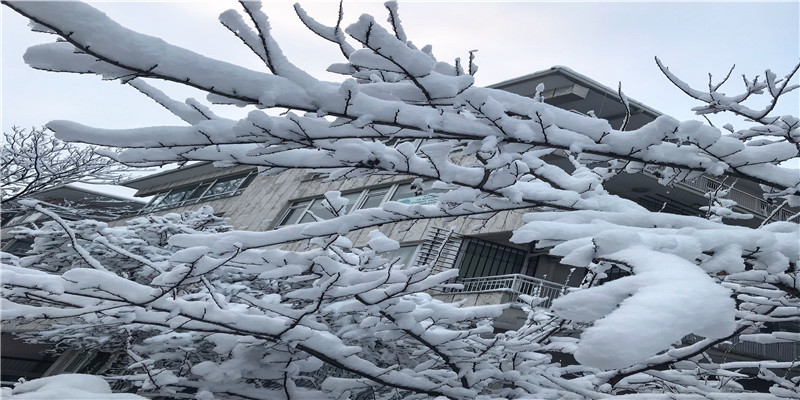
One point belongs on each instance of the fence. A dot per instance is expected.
(515, 284)
(772, 351)
(745, 200)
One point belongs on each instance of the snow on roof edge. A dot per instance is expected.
(95, 189)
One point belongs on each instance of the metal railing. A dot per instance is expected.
(514, 284)
(745, 200)
(519, 284)
(440, 249)
(771, 351)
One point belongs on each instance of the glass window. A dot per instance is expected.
(300, 212)
(424, 195)
(405, 254)
(249, 178)
(550, 269)
(224, 186)
(155, 201)
(294, 212)
(176, 196)
(352, 199)
(482, 258)
(318, 210)
(17, 247)
(374, 198)
(199, 190)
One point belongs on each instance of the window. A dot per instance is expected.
(549, 268)
(424, 195)
(20, 359)
(24, 218)
(303, 211)
(201, 191)
(482, 258)
(374, 197)
(17, 246)
(405, 254)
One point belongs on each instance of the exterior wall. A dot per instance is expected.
(261, 205)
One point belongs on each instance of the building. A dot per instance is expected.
(492, 269)
(71, 202)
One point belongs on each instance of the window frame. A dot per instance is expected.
(202, 187)
(357, 204)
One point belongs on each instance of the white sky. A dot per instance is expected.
(607, 41)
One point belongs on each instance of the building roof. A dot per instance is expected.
(578, 78)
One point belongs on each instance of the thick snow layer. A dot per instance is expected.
(637, 316)
(66, 386)
(188, 291)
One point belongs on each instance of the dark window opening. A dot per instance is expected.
(482, 258)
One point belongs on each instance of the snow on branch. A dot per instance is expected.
(33, 160)
(202, 308)
(397, 87)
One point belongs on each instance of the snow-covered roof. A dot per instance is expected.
(169, 175)
(73, 191)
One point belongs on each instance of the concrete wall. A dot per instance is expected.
(264, 201)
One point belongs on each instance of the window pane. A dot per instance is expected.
(483, 258)
(199, 191)
(352, 199)
(176, 196)
(425, 196)
(247, 180)
(294, 213)
(318, 210)
(374, 198)
(405, 253)
(225, 186)
(155, 201)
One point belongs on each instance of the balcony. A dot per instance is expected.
(750, 203)
(773, 351)
(513, 286)
(443, 249)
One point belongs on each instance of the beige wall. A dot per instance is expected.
(265, 200)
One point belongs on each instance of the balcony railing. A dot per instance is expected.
(749, 202)
(518, 284)
(772, 351)
(514, 284)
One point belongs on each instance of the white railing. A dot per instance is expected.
(745, 200)
(515, 284)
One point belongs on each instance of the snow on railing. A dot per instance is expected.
(745, 200)
(771, 351)
(515, 284)
(519, 284)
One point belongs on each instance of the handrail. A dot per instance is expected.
(743, 199)
(515, 284)
(770, 351)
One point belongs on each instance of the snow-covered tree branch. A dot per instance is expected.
(33, 160)
(201, 308)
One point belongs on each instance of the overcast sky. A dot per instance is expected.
(607, 41)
